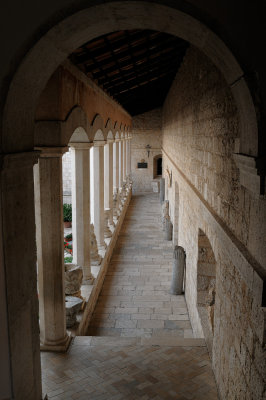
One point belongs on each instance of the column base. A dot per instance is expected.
(60, 347)
(88, 281)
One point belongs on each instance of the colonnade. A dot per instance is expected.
(111, 182)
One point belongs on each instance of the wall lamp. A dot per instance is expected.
(148, 148)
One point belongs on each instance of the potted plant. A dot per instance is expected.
(67, 214)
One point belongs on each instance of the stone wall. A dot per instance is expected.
(200, 133)
(146, 130)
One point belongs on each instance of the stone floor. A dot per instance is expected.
(107, 370)
(135, 299)
(140, 343)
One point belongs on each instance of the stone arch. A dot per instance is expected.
(156, 161)
(110, 135)
(79, 136)
(97, 128)
(69, 34)
(206, 287)
(98, 135)
(109, 130)
(76, 119)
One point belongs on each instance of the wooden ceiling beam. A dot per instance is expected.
(168, 63)
(159, 42)
(171, 58)
(153, 55)
(139, 82)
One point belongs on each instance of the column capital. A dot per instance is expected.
(110, 141)
(117, 140)
(80, 145)
(49, 152)
(19, 160)
(98, 143)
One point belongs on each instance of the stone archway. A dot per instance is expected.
(62, 39)
(18, 135)
(206, 282)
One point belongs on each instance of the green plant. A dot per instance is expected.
(68, 237)
(68, 259)
(67, 212)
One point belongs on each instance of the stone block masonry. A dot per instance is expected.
(200, 129)
(146, 130)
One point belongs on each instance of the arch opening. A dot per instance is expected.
(69, 34)
(157, 166)
(206, 287)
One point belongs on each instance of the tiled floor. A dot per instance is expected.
(135, 299)
(140, 343)
(128, 371)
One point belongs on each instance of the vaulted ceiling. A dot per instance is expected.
(135, 67)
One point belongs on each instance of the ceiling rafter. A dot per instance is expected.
(135, 67)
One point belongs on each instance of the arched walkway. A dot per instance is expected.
(19, 154)
(140, 343)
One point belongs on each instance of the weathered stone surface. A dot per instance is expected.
(96, 259)
(73, 278)
(73, 306)
(200, 131)
(146, 129)
(107, 231)
(168, 229)
(179, 263)
(162, 190)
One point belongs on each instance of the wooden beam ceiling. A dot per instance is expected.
(133, 66)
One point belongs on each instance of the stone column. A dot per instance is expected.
(19, 325)
(98, 164)
(50, 251)
(124, 143)
(80, 167)
(116, 164)
(108, 177)
(179, 262)
(121, 164)
(129, 156)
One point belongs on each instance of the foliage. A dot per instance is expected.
(67, 212)
(68, 247)
(68, 259)
(68, 237)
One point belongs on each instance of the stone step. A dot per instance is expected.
(141, 341)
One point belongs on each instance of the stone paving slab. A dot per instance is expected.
(135, 298)
(140, 343)
(129, 371)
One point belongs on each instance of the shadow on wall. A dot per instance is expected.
(206, 281)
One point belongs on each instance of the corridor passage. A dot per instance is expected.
(140, 343)
(135, 299)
